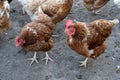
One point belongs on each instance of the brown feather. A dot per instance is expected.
(57, 10)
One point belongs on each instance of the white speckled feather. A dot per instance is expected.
(31, 7)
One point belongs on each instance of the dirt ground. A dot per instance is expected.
(14, 66)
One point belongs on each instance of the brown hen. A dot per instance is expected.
(5, 21)
(88, 39)
(36, 36)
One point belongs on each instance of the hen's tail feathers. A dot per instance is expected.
(115, 21)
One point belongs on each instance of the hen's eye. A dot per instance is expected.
(18, 40)
(68, 27)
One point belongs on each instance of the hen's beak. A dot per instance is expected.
(65, 31)
(17, 45)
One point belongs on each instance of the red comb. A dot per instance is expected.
(17, 41)
(69, 22)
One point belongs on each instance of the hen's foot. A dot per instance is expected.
(34, 59)
(47, 58)
(83, 63)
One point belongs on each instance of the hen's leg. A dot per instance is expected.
(33, 59)
(98, 51)
(47, 58)
(83, 63)
(23, 10)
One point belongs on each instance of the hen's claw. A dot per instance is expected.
(34, 59)
(47, 58)
(83, 63)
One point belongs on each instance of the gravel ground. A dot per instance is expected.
(14, 66)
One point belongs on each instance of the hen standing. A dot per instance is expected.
(86, 38)
(36, 36)
(94, 5)
(5, 21)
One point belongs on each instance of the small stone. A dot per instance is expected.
(95, 72)
(79, 76)
(6, 33)
(48, 77)
(106, 56)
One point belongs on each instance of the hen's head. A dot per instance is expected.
(19, 42)
(70, 30)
